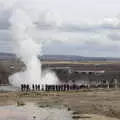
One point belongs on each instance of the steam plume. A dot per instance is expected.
(27, 49)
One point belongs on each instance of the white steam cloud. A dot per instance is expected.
(27, 49)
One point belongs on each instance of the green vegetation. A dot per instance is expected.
(20, 103)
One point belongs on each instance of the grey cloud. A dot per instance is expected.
(5, 35)
(58, 47)
(93, 49)
(4, 25)
(114, 36)
(96, 47)
(89, 48)
(64, 27)
(4, 19)
(47, 21)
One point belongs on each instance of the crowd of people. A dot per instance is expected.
(63, 87)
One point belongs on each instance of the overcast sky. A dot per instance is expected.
(77, 27)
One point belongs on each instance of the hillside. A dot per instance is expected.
(4, 56)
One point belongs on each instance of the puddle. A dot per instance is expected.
(32, 112)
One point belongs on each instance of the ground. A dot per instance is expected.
(86, 104)
(90, 104)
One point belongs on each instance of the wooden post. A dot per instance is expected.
(88, 83)
(101, 83)
(116, 83)
(108, 84)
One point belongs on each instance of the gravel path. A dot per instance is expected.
(32, 112)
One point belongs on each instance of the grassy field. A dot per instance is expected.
(81, 62)
(98, 102)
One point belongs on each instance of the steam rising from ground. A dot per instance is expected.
(27, 49)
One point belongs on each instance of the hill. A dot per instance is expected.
(4, 56)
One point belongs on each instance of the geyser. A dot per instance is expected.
(27, 49)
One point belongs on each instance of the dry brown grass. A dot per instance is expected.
(81, 62)
(100, 102)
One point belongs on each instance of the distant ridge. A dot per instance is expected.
(77, 58)
(5, 56)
